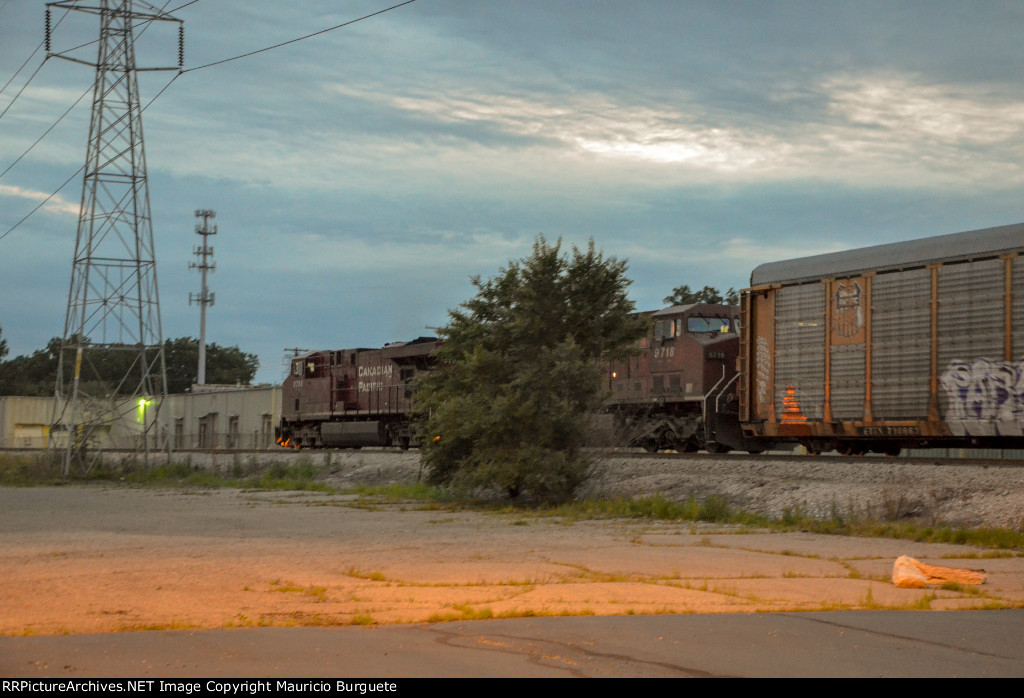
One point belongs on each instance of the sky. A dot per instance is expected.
(362, 176)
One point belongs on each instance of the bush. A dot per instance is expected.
(520, 372)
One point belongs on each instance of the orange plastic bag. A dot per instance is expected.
(909, 573)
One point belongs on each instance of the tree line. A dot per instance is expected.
(35, 374)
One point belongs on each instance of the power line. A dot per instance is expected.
(46, 132)
(80, 169)
(301, 38)
(22, 67)
(62, 116)
(23, 87)
(176, 76)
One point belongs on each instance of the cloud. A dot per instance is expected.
(57, 204)
(946, 113)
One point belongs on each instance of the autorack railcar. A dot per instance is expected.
(909, 344)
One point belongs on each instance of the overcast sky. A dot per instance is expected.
(361, 176)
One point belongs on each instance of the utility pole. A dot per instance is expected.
(112, 368)
(204, 297)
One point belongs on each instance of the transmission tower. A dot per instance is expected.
(112, 369)
(204, 297)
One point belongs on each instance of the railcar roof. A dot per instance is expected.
(896, 255)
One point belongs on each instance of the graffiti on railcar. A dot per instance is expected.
(985, 397)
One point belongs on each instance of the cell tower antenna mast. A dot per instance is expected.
(111, 368)
(204, 297)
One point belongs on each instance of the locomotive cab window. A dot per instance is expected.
(297, 368)
(707, 325)
(667, 329)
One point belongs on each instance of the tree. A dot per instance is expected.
(36, 374)
(3, 345)
(224, 365)
(682, 295)
(520, 369)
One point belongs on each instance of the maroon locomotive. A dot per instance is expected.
(679, 390)
(352, 397)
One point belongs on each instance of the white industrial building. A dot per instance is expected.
(211, 416)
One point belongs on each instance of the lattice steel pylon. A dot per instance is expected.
(112, 376)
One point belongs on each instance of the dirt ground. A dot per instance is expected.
(81, 559)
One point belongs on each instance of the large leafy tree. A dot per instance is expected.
(684, 295)
(225, 365)
(519, 372)
(35, 374)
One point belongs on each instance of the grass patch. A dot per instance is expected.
(19, 470)
(371, 576)
(27, 471)
(397, 492)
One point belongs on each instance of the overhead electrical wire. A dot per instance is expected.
(308, 36)
(62, 116)
(22, 67)
(46, 132)
(68, 111)
(169, 83)
(79, 170)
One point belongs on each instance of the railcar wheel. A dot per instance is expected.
(851, 448)
(715, 447)
(813, 448)
(403, 443)
(649, 445)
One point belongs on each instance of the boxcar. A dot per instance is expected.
(909, 344)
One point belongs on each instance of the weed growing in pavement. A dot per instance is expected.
(372, 576)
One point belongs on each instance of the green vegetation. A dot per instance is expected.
(35, 374)
(683, 295)
(520, 373)
(21, 470)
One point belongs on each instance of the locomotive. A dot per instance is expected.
(910, 344)
(677, 391)
(353, 397)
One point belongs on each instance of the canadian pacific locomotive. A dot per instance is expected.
(353, 397)
(662, 397)
(916, 343)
